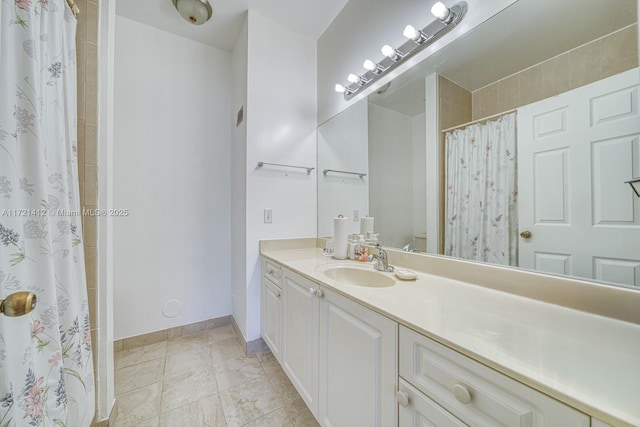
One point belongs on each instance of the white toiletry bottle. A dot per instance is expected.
(352, 246)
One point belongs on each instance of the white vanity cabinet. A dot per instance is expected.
(358, 364)
(299, 356)
(340, 356)
(271, 307)
(474, 393)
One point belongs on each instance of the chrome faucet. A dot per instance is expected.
(382, 264)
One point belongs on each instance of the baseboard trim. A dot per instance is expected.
(111, 421)
(250, 347)
(165, 334)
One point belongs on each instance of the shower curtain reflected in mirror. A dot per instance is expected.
(46, 369)
(481, 218)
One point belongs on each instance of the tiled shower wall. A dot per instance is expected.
(604, 57)
(87, 63)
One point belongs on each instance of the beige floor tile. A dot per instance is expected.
(187, 362)
(236, 371)
(221, 333)
(177, 418)
(135, 376)
(300, 415)
(249, 401)
(208, 411)
(265, 356)
(140, 354)
(271, 366)
(188, 342)
(288, 394)
(139, 405)
(277, 418)
(192, 387)
(226, 349)
(153, 422)
(278, 377)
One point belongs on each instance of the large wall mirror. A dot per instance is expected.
(511, 145)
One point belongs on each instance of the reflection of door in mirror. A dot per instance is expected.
(575, 153)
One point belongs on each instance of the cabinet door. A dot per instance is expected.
(271, 316)
(420, 411)
(300, 336)
(358, 364)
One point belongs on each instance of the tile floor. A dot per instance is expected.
(205, 380)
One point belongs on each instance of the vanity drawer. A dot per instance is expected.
(272, 271)
(476, 394)
(419, 410)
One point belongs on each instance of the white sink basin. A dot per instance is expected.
(358, 276)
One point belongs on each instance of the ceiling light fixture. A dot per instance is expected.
(196, 12)
(447, 19)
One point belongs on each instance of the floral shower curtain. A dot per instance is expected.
(481, 218)
(46, 369)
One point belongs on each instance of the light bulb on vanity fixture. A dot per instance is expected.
(196, 12)
(447, 19)
(391, 53)
(369, 65)
(340, 89)
(417, 36)
(440, 11)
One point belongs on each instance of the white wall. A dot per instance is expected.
(343, 145)
(281, 126)
(364, 26)
(419, 155)
(391, 185)
(239, 180)
(172, 172)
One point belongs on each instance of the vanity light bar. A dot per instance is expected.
(448, 18)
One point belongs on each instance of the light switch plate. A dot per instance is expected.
(268, 218)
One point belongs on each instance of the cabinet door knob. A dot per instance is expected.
(312, 291)
(279, 294)
(319, 293)
(402, 398)
(461, 393)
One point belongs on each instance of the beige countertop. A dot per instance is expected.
(587, 360)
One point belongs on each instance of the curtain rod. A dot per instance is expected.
(473, 122)
(74, 7)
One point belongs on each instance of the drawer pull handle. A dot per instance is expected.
(402, 398)
(461, 393)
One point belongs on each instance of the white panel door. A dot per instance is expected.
(358, 365)
(299, 356)
(575, 152)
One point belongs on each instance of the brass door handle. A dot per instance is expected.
(18, 304)
(526, 234)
